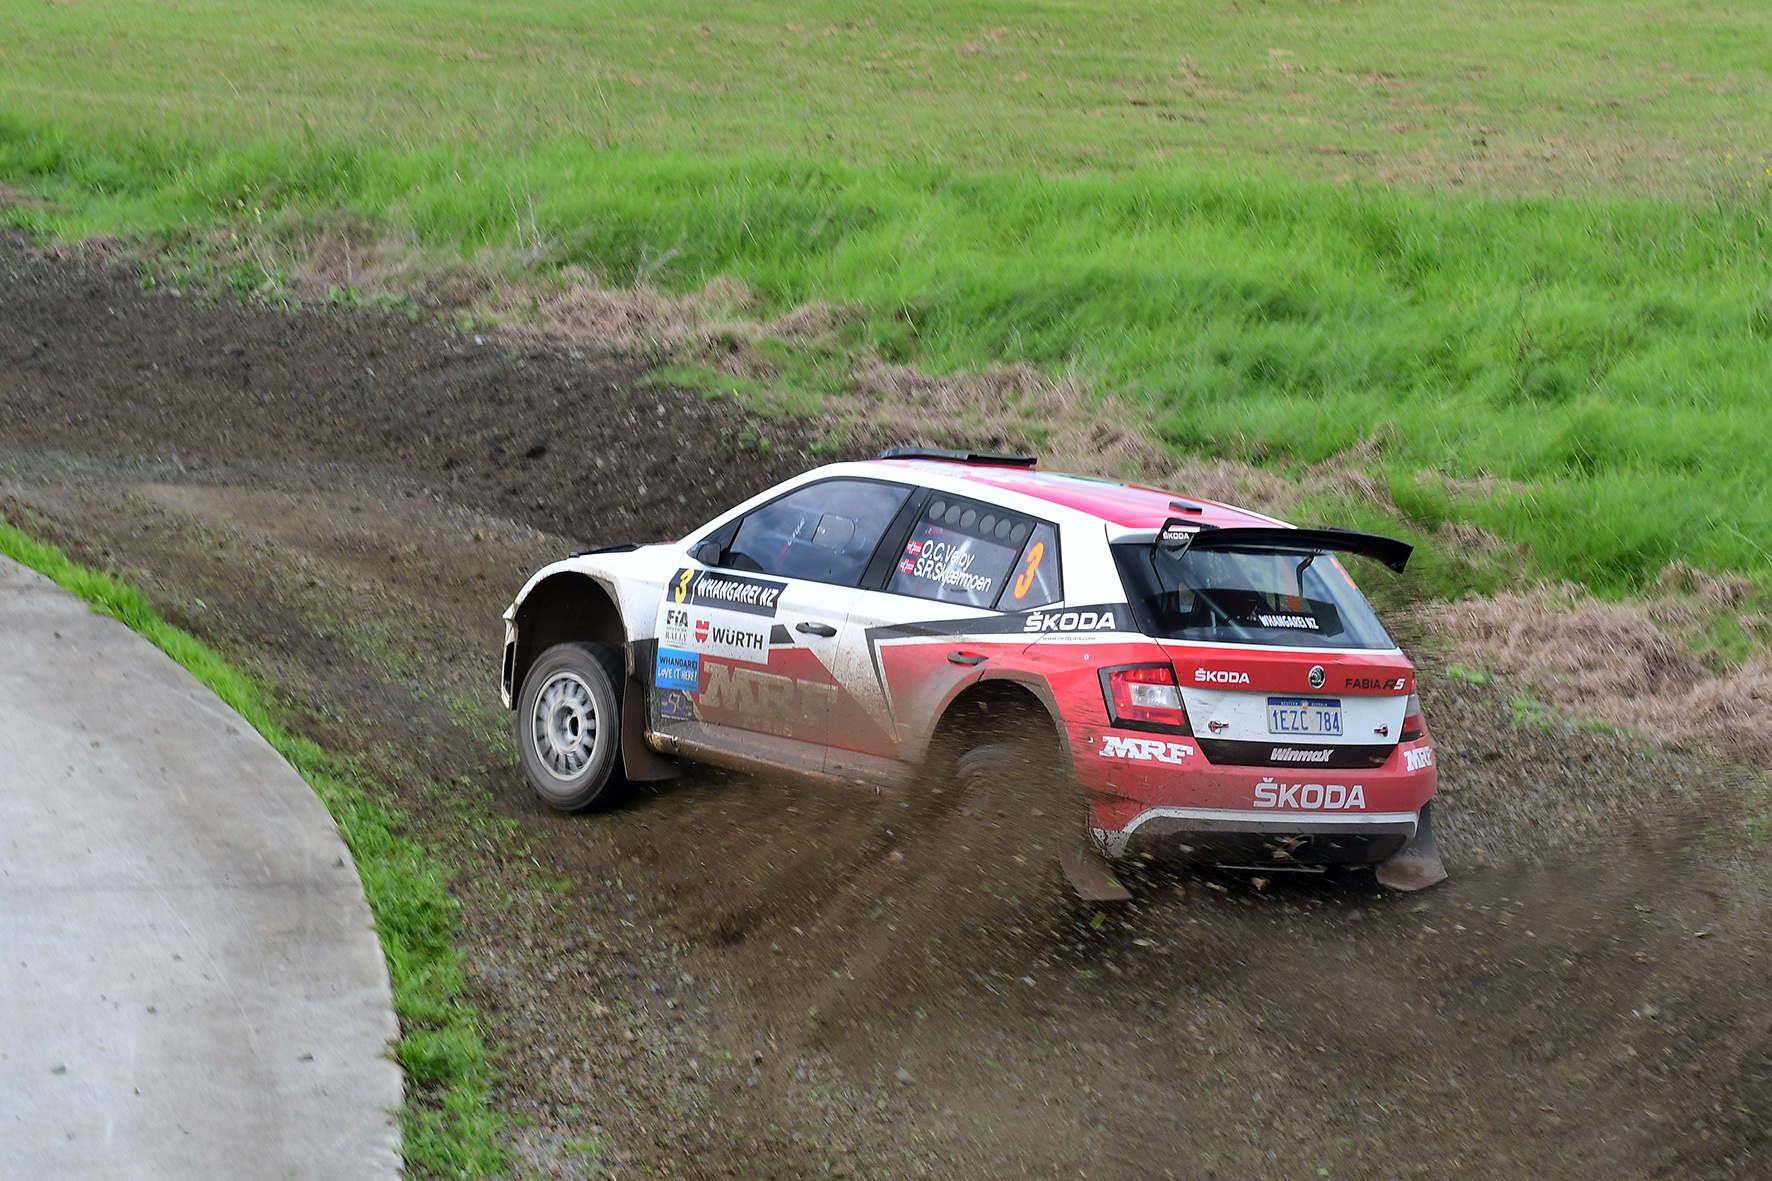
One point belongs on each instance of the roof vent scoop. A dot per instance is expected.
(980, 457)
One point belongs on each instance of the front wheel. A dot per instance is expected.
(569, 726)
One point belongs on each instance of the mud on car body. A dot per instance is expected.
(1211, 679)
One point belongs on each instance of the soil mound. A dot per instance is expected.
(740, 976)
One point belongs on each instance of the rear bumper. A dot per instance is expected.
(1160, 827)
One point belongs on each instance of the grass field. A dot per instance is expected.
(1509, 94)
(1527, 242)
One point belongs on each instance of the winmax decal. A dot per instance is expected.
(1144, 749)
(715, 588)
(1219, 676)
(1310, 797)
(1293, 754)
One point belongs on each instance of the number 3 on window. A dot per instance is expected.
(1025, 581)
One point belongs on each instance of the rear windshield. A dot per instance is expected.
(1222, 596)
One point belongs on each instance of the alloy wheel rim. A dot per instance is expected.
(563, 726)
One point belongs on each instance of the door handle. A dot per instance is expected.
(965, 658)
(816, 629)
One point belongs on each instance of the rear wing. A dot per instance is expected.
(1177, 534)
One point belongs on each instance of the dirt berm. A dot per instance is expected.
(745, 977)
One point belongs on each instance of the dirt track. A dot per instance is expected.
(741, 977)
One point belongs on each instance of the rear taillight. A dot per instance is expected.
(1411, 719)
(1144, 697)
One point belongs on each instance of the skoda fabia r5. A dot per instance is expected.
(1207, 679)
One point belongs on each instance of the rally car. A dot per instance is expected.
(1211, 679)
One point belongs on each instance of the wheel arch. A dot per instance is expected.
(1030, 697)
(562, 608)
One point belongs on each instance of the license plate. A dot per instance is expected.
(1304, 715)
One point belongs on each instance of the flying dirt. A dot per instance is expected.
(761, 977)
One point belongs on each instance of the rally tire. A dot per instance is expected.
(569, 726)
(1010, 809)
(1016, 787)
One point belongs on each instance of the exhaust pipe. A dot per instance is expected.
(1415, 866)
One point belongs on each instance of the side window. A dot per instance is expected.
(961, 551)
(824, 532)
(1036, 582)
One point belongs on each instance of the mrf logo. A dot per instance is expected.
(1418, 759)
(764, 701)
(1144, 749)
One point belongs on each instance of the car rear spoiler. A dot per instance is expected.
(1181, 535)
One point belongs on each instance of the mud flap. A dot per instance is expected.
(641, 763)
(1091, 876)
(1415, 866)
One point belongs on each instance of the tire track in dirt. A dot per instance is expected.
(735, 976)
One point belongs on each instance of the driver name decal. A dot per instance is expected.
(946, 562)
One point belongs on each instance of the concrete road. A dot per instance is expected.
(190, 986)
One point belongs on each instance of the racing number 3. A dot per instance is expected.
(1036, 583)
(1025, 581)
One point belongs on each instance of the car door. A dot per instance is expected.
(748, 638)
(949, 598)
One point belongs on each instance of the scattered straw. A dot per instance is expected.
(1615, 663)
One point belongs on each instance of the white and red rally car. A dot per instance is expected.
(1213, 677)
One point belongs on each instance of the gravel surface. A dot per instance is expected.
(745, 977)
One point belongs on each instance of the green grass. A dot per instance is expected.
(1496, 92)
(448, 1129)
(1587, 373)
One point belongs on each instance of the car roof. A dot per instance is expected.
(1131, 506)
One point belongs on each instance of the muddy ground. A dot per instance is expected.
(741, 977)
